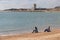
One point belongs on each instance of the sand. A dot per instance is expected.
(54, 35)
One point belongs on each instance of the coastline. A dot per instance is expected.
(32, 11)
(54, 35)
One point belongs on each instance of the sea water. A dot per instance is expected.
(20, 22)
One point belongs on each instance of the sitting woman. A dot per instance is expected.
(35, 30)
(47, 30)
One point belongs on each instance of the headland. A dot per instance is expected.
(34, 9)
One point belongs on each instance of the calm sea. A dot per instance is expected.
(19, 22)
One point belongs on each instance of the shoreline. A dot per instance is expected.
(54, 35)
(23, 32)
(30, 11)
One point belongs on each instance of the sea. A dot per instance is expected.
(22, 22)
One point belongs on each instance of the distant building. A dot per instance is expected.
(57, 8)
(41, 9)
(34, 7)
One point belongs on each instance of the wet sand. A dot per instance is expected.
(54, 35)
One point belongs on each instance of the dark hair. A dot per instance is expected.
(36, 28)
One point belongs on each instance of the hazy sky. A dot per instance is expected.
(4, 4)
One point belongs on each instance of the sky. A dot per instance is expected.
(6, 4)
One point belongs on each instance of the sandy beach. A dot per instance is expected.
(54, 35)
